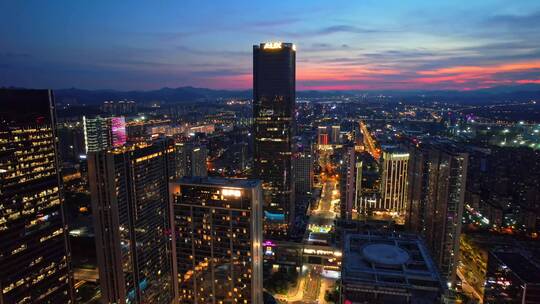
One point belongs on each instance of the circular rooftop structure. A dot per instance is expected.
(384, 254)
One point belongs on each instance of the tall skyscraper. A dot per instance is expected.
(131, 211)
(243, 156)
(323, 139)
(274, 68)
(96, 134)
(335, 132)
(303, 169)
(350, 177)
(347, 181)
(71, 141)
(437, 176)
(34, 251)
(417, 198)
(358, 184)
(322, 135)
(218, 225)
(394, 180)
(117, 126)
(197, 161)
(191, 159)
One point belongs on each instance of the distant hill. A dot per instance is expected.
(190, 94)
(182, 94)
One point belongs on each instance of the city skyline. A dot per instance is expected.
(420, 45)
(359, 152)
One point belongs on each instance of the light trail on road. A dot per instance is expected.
(369, 142)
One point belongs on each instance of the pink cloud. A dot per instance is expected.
(366, 77)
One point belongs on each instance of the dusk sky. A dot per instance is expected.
(143, 45)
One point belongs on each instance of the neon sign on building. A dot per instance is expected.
(118, 130)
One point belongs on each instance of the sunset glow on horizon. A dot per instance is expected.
(341, 46)
(368, 78)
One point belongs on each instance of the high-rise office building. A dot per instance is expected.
(358, 184)
(323, 139)
(181, 160)
(191, 159)
(197, 161)
(273, 110)
(417, 190)
(34, 251)
(350, 177)
(103, 133)
(243, 156)
(96, 134)
(347, 181)
(394, 180)
(218, 225)
(335, 132)
(71, 141)
(131, 211)
(322, 135)
(437, 176)
(117, 127)
(303, 169)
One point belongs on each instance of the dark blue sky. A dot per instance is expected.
(341, 44)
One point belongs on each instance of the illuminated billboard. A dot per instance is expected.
(118, 131)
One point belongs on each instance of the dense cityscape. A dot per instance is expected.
(270, 194)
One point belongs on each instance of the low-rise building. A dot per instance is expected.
(388, 268)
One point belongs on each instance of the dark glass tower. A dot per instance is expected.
(131, 210)
(273, 111)
(34, 252)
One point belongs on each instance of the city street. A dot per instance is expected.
(321, 220)
(312, 284)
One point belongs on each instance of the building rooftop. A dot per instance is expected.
(520, 265)
(219, 182)
(383, 254)
(394, 150)
(389, 260)
(445, 144)
(272, 45)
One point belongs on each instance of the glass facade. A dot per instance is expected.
(394, 181)
(34, 253)
(130, 202)
(218, 240)
(303, 171)
(96, 134)
(104, 133)
(274, 67)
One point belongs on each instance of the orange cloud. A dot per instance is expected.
(510, 67)
(343, 73)
(365, 77)
(464, 78)
(525, 81)
(477, 76)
